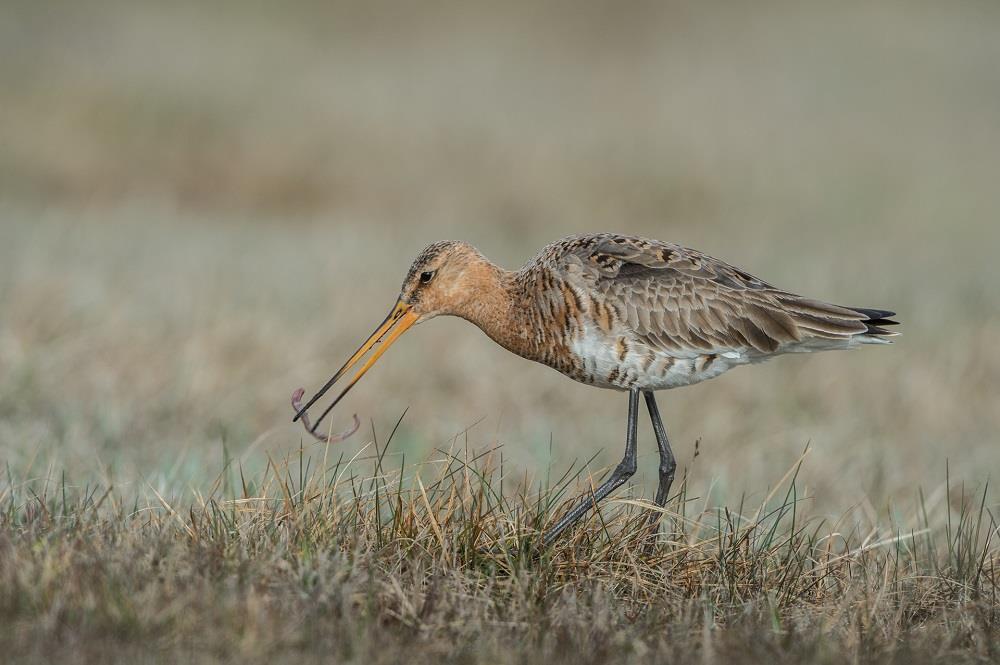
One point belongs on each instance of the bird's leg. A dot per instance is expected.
(667, 463)
(624, 471)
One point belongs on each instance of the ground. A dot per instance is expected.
(203, 208)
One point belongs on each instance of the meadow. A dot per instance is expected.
(205, 207)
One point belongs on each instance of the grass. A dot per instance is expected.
(352, 560)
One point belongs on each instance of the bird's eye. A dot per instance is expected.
(426, 276)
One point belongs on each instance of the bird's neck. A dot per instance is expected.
(488, 305)
(502, 309)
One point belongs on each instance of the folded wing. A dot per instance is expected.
(682, 301)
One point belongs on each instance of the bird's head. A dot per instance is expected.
(445, 278)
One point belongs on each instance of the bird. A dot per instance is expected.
(618, 312)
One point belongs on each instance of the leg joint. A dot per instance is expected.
(667, 466)
(626, 468)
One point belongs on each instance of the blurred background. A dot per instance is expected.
(204, 206)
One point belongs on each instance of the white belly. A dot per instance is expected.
(641, 366)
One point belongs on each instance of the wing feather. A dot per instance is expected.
(679, 299)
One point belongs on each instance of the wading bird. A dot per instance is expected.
(616, 312)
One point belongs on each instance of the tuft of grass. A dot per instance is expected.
(354, 559)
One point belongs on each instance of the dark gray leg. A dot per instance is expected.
(667, 463)
(622, 472)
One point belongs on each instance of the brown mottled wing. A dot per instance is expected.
(682, 301)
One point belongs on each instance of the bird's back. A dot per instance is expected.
(636, 312)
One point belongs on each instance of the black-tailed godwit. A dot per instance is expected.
(617, 312)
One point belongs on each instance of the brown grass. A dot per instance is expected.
(352, 560)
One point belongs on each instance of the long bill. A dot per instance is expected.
(395, 324)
